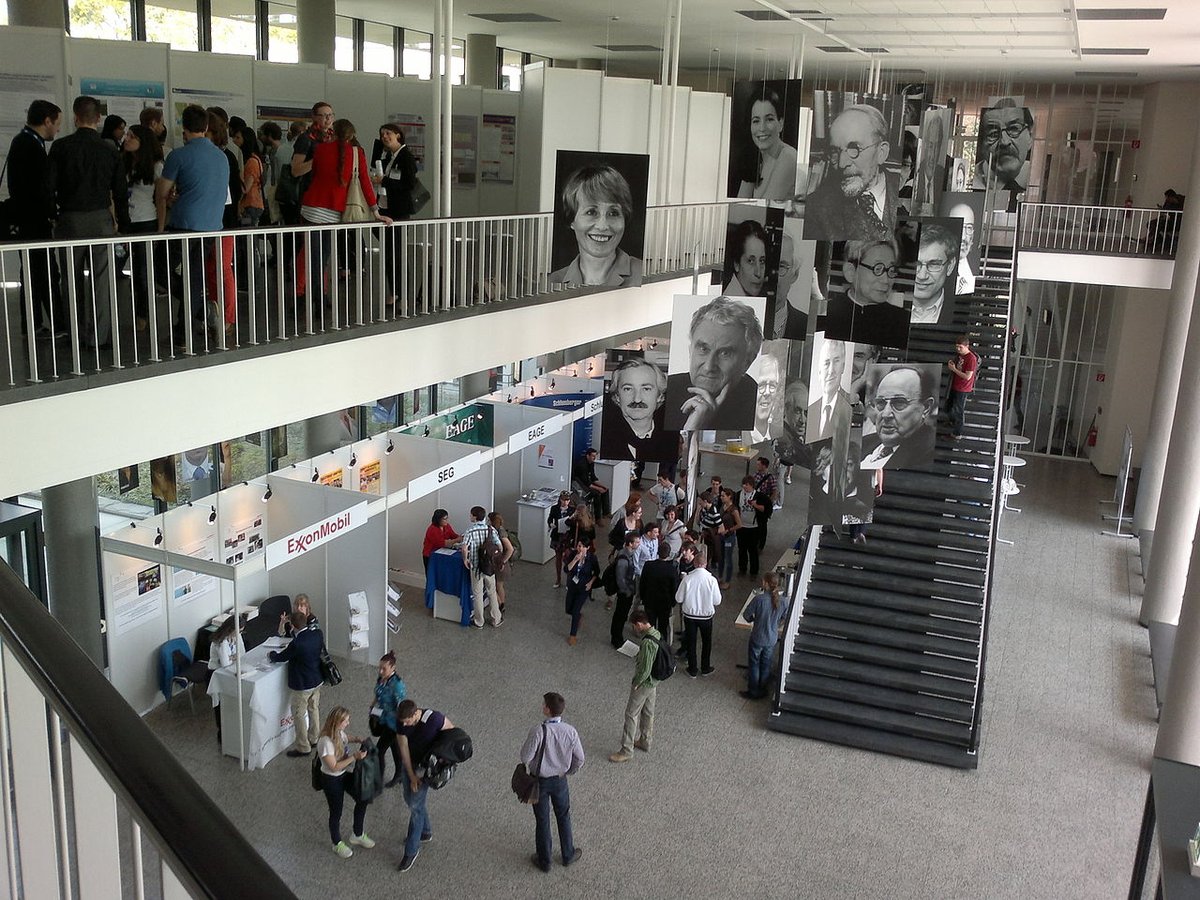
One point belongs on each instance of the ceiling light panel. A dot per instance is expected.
(513, 18)
(1121, 14)
(1115, 51)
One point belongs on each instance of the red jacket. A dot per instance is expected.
(326, 189)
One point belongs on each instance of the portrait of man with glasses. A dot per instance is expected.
(902, 409)
(856, 197)
(937, 260)
(871, 311)
(1005, 142)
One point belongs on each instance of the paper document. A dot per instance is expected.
(629, 648)
(275, 643)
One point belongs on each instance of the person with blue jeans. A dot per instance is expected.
(552, 752)
(731, 521)
(765, 612)
(417, 730)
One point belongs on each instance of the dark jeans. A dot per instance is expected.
(762, 535)
(142, 292)
(576, 600)
(620, 614)
(956, 408)
(42, 281)
(747, 542)
(759, 658)
(553, 790)
(335, 795)
(661, 620)
(196, 251)
(387, 741)
(418, 816)
(690, 627)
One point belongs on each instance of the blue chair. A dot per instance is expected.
(177, 671)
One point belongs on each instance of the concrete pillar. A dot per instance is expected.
(482, 63)
(37, 14)
(71, 522)
(589, 62)
(316, 28)
(476, 384)
(1178, 723)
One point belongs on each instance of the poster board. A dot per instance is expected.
(498, 148)
(209, 79)
(34, 68)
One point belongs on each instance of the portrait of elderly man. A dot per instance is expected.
(856, 197)
(789, 309)
(790, 446)
(931, 174)
(768, 404)
(871, 311)
(723, 339)
(964, 283)
(631, 424)
(829, 414)
(937, 259)
(1005, 142)
(904, 403)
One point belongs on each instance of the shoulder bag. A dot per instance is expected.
(357, 209)
(420, 194)
(330, 673)
(524, 783)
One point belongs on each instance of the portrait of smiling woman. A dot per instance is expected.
(600, 204)
(764, 130)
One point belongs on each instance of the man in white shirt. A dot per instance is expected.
(698, 597)
(647, 550)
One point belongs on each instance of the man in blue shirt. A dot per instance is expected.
(197, 175)
(561, 754)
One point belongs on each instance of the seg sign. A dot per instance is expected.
(444, 475)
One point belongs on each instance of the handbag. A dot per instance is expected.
(330, 673)
(419, 194)
(373, 721)
(525, 784)
(357, 209)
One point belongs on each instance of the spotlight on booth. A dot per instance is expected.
(426, 434)
(158, 537)
(390, 447)
(212, 514)
(267, 496)
(353, 459)
(531, 392)
(315, 476)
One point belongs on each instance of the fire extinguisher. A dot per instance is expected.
(1091, 435)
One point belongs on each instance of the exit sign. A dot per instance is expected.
(1136, 144)
(1099, 376)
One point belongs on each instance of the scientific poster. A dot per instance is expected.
(188, 586)
(137, 594)
(243, 540)
(369, 478)
(236, 104)
(414, 135)
(124, 97)
(464, 149)
(498, 149)
(17, 92)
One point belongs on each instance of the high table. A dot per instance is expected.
(264, 706)
(448, 586)
(531, 527)
(748, 454)
(1008, 484)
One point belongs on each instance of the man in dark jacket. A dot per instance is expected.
(626, 588)
(303, 658)
(33, 209)
(659, 581)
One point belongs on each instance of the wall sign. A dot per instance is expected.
(535, 433)
(300, 542)
(443, 476)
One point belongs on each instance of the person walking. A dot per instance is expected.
(418, 728)
(582, 571)
(765, 612)
(964, 367)
(389, 694)
(552, 752)
(303, 657)
(639, 710)
(698, 596)
(337, 762)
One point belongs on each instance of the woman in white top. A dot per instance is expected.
(143, 157)
(776, 171)
(337, 760)
(225, 648)
(672, 530)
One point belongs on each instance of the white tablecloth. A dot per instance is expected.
(264, 708)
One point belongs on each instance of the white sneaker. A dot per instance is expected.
(362, 841)
(342, 850)
(789, 479)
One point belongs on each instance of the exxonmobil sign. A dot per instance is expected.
(300, 542)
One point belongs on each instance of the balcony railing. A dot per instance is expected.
(141, 300)
(1106, 230)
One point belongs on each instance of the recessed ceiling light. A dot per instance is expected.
(630, 48)
(1115, 51)
(1106, 74)
(1123, 13)
(835, 48)
(761, 15)
(510, 18)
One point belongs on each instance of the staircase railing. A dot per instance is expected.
(1107, 230)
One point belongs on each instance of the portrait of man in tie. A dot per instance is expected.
(902, 409)
(829, 413)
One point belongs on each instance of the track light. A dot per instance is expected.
(390, 446)
(315, 476)
(426, 434)
(531, 393)
(158, 538)
(510, 398)
(212, 514)
(267, 496)
(551, 384)
(654, 344)
(589, 368)
(353, 459)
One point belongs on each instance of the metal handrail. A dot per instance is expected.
(1109, 230)
(202, 847)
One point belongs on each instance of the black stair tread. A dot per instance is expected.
(906, 550)
(936, 752)
(921, 587)
(891, 618)
(907, 519)
(873, 717)
(873, 695)
(802, 664)
(929, 606)
(900, 659)
(928, 537)
(883, 636)
(922, 484)
(865, 558)
(935, 507)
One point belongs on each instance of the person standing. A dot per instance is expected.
(555, 747)
(626, 573)
(389, 694)
(698, 596)
(582, 572)
(143, 159)
(87, 180)
(584, 476)
(639, 710)
(337, 762)
(964, 366)
(303, 657)
(753, 507)
(475, 537)
(558, 521)
(33, 205)
(765, 612)
(418, 728)
(731, 524)
(504, 564)
(766, 484)
(658, 584)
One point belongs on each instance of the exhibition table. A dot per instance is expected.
(265, 706)
(747, 455)
(448, 586)
(531, 528)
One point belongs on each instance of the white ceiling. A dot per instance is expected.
(1018, 39)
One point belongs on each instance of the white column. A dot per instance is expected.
(316, 26)
(1178, 723)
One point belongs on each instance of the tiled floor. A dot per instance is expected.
(723, 807)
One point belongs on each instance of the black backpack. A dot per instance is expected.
(663, 666)
(608, 578)
(449, 748)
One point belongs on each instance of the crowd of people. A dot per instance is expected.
(108, 177)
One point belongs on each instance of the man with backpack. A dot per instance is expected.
(625, 572)
(481, 550)
(419, 728)
(653, 664)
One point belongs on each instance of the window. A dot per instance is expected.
(510, 70)
(343, 45)
(379, 54)
(282, 42)
(173, 22)
(417, 59)
(533, 57)
(233, 27)
(112, 19)
(458, 62)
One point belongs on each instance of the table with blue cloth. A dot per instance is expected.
(448, 575)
